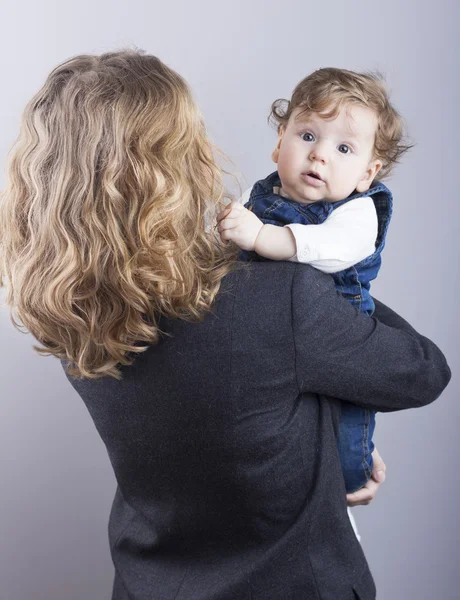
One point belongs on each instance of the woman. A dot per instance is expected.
(209, 382)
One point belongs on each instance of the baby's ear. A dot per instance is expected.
(276, 151)
(365, 182)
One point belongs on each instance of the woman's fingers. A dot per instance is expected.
(380, 468)
(367, 493)
(363, 496)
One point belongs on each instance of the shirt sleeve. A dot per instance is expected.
(346, 237)
(378, 362)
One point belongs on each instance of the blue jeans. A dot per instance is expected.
(355, 445)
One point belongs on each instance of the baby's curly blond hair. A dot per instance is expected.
(327, 90)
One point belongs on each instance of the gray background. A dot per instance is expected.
(56, 480)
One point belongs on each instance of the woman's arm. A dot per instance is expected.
(377, 362)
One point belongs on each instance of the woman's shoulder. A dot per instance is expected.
(272, 281)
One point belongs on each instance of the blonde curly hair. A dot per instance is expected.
(106, 219)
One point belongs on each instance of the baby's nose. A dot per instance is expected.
(319, 153)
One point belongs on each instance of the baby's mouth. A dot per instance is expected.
(314, 174)
(313, 178)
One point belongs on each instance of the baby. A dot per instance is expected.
(323, 206)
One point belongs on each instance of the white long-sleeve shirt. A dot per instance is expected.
(345, 238)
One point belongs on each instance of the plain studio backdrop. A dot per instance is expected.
(56, 480)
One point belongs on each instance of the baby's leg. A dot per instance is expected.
(355, 445)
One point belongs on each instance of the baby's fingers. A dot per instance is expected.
(227, 224)
(231, 211)
(227, 235)
(223, 214)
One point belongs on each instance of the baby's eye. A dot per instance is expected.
(344, 149)
(307, 137)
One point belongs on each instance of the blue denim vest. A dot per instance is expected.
(353, 283)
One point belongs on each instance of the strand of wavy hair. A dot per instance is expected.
(99, 240)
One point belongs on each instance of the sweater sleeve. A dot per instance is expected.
(377, 362)
(346, 237)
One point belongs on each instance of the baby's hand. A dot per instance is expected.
(240, 225)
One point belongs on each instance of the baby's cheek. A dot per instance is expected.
(285, 169)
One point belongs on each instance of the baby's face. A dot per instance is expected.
(321, 159)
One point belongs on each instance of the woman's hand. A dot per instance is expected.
(367, 493)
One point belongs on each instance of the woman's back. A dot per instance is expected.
(205, 436)
(229, 480)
